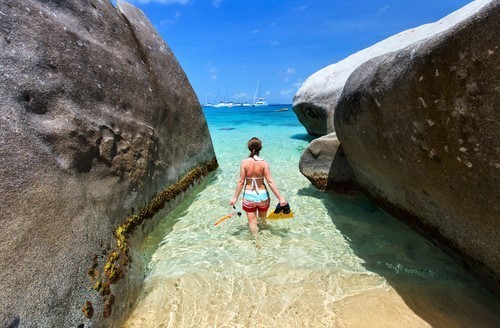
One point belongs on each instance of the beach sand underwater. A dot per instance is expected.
(340, 262)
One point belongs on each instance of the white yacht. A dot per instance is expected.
(220, 104)
(261, 101)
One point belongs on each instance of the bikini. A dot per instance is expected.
(255, 198)
(254, 194)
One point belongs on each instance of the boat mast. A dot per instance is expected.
(256, 90)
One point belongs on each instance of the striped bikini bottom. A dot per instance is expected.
(256, 200)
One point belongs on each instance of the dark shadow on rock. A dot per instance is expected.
(303, 136)
(340, 177)
(431, 284)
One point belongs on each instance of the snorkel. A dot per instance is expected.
(228, 216)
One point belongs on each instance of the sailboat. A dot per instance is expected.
(261, 101)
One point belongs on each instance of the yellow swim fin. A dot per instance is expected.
(273, 216)
(288, 215)
(281, 212)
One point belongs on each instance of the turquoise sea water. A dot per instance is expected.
(340, 262)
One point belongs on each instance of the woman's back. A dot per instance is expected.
(255, 171)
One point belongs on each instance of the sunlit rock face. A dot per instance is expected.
(325, 165)
(316, 101)
(96, 116)
(421, 130)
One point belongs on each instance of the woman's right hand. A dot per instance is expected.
(282, 202)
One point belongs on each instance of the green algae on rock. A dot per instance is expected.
(118, 259)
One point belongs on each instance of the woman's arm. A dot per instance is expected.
(239, 185)
(272, 185)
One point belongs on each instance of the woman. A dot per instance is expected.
(253, 171)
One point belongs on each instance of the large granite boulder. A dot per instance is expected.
(421, 130)
(99, 130)
(325, 165)
(315, 102)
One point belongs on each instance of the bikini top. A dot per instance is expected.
(254, 179)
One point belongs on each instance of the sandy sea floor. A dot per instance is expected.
(340, 262)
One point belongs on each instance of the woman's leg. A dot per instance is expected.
(264, 206)
(252, 225)
(262, 217)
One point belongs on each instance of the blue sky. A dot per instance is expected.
(225, 46)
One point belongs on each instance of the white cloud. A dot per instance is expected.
(286, 92)
(255, 31)
(301, 7)
(212, 70)
(383, 9)
(167, 22)
(288, 73)
(216, 3)
(275, 43)
(290, 92)
(241, 97)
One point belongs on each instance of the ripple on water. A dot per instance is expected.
(340, 262)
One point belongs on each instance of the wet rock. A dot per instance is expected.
(325, 165)
(421, 130)
(96, 117)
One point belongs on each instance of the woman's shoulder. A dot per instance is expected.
(251, 161)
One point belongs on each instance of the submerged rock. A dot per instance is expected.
(325, 165)
(315, 102)
(421, 130)
(97, 117)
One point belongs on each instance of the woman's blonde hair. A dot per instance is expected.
(254, 145)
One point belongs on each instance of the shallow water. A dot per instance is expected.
(340, 262)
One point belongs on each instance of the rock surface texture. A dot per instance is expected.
(325, 165)
(421, 130)
(96, 117)
(315, 102)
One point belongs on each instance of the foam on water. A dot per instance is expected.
(341, 261)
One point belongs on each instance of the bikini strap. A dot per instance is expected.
(254, 180)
